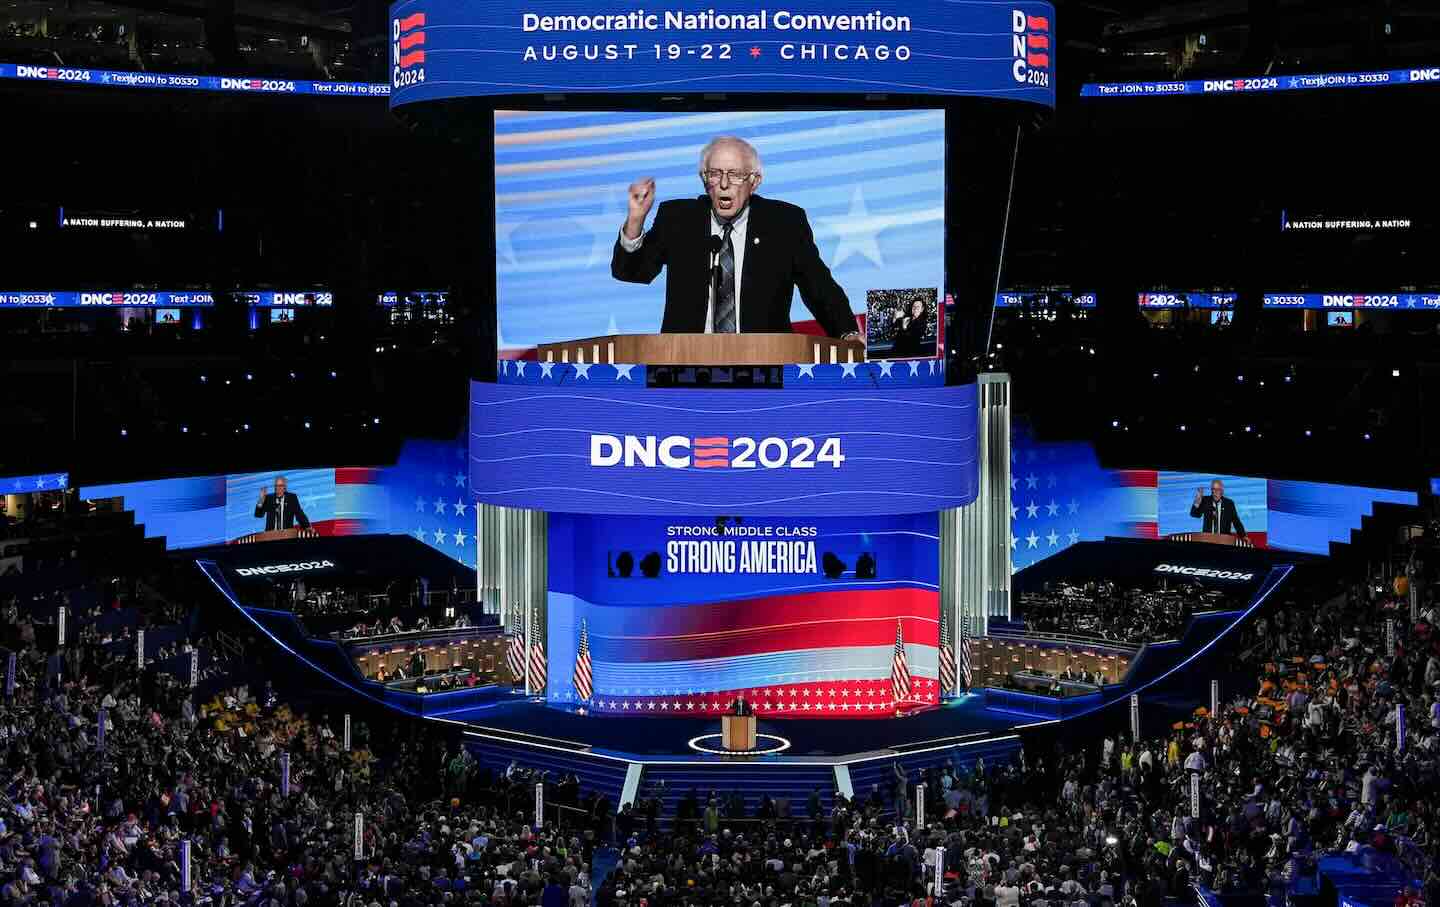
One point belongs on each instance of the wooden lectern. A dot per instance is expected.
(276, 535)
(1212, 538)
(737, 732)
(704, 349)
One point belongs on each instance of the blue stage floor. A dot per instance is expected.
(659, 738)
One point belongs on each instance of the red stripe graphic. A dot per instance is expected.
(701, 452)
(409, 41)
(703, 442)
(410, 59)
(711, 464)
(1039, 61)
(417, 20)
(1034, 23)
(1036, 42)
(356, 475)
(773, 623)
(1137, 478)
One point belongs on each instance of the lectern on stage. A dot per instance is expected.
(737, 732)
(704, 349)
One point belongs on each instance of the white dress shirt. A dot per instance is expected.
(738, 232)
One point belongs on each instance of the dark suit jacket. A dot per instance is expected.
(270, 510)
(784, 258)
(1229, 518)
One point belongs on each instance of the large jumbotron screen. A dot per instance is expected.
(870, 184)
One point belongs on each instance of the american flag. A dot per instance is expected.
(947, 659)
(584, 681)
(537, 658)
(899, 669)
(515, 657)
(965, 669)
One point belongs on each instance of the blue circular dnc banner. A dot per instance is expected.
(919, 47)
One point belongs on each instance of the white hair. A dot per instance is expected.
(751, 155)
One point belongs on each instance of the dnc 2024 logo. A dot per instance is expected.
(407, 49)
(1030, 40)
(713, 452)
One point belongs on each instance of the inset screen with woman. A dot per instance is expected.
(901, 324)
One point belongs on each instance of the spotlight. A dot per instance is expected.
(376, 420)
(124, 433)
(184, 429)
(1307, 432)
(1367, 436)
(1182, 426)
(1239, 377)
(1114, 423)
(1247, 429)
(249, 377)
(203, 379)
(307, 424)
(332, 374)
(246, 426)
(1394, 373)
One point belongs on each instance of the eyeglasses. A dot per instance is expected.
(713, 177)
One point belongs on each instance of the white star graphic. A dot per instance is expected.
(504, 366)
(503, 249)
(460, 538)
(602, 227)
(806, 371)
(1032, 481)
(420, 534)
(1052, 508)
(1032, 540)
(914, 367)
(546, 368)
(622, 372)
(440, 536)
(439, 506)
(1074, 536)
(459, 479)
(1074, 506)
(858, 231)
(419, 505)
(1031, 510)
(1053, 538)
(847, 370)
(885, 366)
(1014, 511)
(932, 366)
(1014, 483)
(582, 370)
(460, 508)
